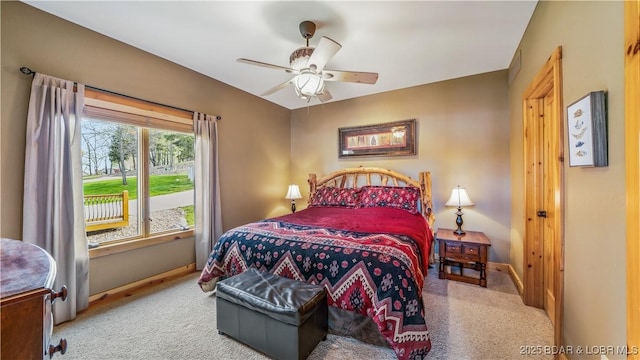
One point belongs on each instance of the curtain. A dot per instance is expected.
(53, 213)
(208, 217)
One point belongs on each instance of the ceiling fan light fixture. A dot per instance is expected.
(308, 65)
(308, 84)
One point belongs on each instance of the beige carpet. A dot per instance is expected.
(177, 320)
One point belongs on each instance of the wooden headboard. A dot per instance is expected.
(361, 176)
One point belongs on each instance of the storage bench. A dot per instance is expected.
(280, 317)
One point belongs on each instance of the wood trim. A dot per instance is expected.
(516, 280)
(547, 81)
(500, 267)
(557, 178)
(103, 104)
(144, 213)
(535, 90)
(632, 169)
(133, 244)
(97, 97)
(129, 289)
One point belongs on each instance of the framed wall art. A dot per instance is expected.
(387, 139)
(587, 131)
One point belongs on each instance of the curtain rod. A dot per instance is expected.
(25, 70)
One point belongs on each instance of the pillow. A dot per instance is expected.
(405, 198)
(332, 196)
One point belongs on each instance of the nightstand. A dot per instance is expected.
(468, 251)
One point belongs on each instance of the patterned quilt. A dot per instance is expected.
(371, 261)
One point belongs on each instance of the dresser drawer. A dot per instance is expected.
(26, 322)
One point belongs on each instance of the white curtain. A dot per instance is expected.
(208, 218)
(53, 214)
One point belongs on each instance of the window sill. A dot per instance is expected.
(110, 249)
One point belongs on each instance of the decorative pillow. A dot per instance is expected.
(405, 198)
(332, 196)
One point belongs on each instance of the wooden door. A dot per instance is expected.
(540, 200)
(543, 284)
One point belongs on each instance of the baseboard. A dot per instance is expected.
(516, 280)
(494, 266)
(129, 289)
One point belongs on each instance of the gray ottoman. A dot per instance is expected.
(280, 317)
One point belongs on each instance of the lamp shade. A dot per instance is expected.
(293, 192)
(459, 197)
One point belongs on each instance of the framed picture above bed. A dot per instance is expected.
(388, 139)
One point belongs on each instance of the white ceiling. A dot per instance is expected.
(408, 43)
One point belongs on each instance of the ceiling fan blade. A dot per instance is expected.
(325, 50)
(263, 64)
(350, 76)
(276, 88)
(325, 96)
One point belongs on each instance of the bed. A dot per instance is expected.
(365, 236)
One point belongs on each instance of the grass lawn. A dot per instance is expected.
(158, 185)
(189, 214)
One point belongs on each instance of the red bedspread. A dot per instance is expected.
(369, 220)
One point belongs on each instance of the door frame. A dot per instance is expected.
(632, 169)
(547, 81)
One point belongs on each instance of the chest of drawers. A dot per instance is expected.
(27, 277)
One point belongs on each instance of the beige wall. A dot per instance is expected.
(254, 133)
(468, 134)
(591, 36)
(462, 136)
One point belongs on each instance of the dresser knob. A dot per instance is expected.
(62, 347)
(60, 294)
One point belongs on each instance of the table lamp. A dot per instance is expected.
(293, 193)
(459, 198)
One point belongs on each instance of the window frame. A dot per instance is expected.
(103, 105)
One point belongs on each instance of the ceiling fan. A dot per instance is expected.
(308, 64)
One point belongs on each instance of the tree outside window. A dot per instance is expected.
(112, 163)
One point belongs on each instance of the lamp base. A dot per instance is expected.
(459, 230)
(293, 206)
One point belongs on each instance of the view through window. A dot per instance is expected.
(137, 182)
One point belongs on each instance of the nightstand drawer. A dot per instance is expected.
(470, 250)
(451, 248)
(463, 258)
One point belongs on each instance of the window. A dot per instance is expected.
(137, 166)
